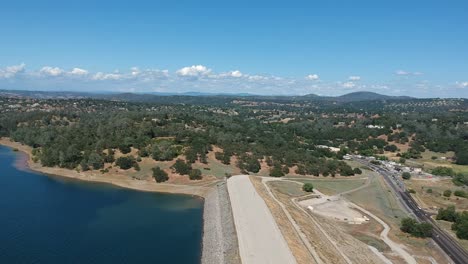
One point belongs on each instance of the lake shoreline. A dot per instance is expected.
(26, 163)
(213, 213)
(39, 210)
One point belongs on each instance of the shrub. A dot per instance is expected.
(447, 193)
(443, 171)
(357, 171)
(460, 193)
(308, 187)
(195, 174)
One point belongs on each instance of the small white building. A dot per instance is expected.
(375, 126)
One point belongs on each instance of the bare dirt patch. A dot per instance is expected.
(334, 208)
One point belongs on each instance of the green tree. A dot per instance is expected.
(461, 157)
(191, 155)
(448, 214)
(160, 175)
(181, 167)
(462, 230)
(447, 193)
(308, 187)
(125, 162)
(406, 175)
(411, 226)
(407, 225)
(95, 161)
(423, 230)
(391, 148)
(276, 171)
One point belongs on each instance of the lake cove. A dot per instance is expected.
(46, 219)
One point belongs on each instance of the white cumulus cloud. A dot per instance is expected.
(462, 84)
(354, 78)
(402, 72)
(78, 72)
(51, 71)
(312, 77)
(11, 71)
(193, 71)
(231, 74)
(100, 76)
(236, 74)
(406, 73)
(257, 78)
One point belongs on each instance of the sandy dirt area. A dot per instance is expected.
(337, 209)
(260, 239)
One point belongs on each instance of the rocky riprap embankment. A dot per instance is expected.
(219, 232)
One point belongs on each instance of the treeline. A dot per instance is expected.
(86, 134)
(74, 139)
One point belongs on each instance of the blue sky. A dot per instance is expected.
(417, 48)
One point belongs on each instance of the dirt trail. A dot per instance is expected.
(301, 234)
(260, 239)
(384, 234)
(303, 237)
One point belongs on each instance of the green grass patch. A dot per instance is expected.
(288, 188)
(216, 168)
(378, 199)
(334, 186)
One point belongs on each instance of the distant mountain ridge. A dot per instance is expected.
(191, 96)
(366, 96)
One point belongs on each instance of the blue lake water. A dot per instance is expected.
(52, 220)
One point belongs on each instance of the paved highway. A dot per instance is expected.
(451, 247)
